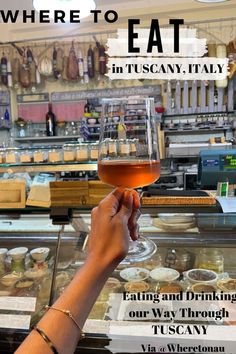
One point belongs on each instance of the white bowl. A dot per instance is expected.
(3, 253)
(164, 274)
(40, 254)
(176, 218)
(18, 253)
(201, 276)
(92, 121)
(134, 274)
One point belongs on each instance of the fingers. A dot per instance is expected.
(126, 206)
(136, 200)
(133, 224)
(110, 204)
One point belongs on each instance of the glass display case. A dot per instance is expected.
(192, 252)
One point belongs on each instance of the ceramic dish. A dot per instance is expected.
(172, 288)
(3, 253)
(135, 287)
(227, 285)
(174, 226)
(203, 288)
(134, 274)
(40, 254)
(164, 274)
(176, 218)
(18, 253)
(201, 276)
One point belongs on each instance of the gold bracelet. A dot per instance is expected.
(69, 314)
(46, 339)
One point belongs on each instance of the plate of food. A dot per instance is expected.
(163, 274)
(201, 276)
(134, 274)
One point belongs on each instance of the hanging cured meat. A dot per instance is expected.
(72, 67)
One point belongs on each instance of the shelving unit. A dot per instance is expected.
(48, 139)
(33, 168)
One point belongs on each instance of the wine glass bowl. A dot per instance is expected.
(128, 151)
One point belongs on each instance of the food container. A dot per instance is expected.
(124, 148)
(172, 288)
(12, 156)
(3, 253)
(136, 287)
(227, 285)
(134, 274)
(212, 259)
(54, 156)
(2, 157)
(164, 274)
(112, 285)
(82, 152)
(40, 254)
(203, 288)
(11, 279)
(40, 156)
(24, 283)
(133, 147)
(104, 149)
(178, 260)
(69, 152)
(18, 258)
(112, 148)
(201, 276)
(26, 156)
(94, 151)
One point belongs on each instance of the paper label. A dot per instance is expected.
(18, 303)
(15, 321)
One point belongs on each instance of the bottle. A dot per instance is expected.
(50, 122)
(6, 119)
(87, 107)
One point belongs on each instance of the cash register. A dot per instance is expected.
(216, 166)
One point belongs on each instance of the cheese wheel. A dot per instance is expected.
(221, 52)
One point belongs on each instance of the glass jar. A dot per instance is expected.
(40, 156)
(211, 259)
(94, 152)
(112, 148)
(54, 155)
(69, 152)
(133, 147)
(2, 157)
(3, 254)
(104, 149)
(26, 156)
(12, 156)
(124, 148)
(82, 152)
(178, 260)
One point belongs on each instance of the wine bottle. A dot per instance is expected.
(50, 122)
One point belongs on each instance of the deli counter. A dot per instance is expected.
(176, 253)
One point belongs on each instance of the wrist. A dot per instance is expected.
(101, 265)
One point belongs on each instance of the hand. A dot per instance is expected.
(114, 221)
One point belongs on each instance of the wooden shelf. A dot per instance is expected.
(73, 167)
(48, 138)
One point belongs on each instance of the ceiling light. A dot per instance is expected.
(84, 6)
(211, 1)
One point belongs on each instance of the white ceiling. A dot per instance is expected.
(189, 10)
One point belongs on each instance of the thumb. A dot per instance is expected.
(126, 206)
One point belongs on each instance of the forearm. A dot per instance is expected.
(78, 298)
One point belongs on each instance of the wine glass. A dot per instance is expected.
(128, 148)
